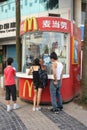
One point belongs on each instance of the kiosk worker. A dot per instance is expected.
(57, 70)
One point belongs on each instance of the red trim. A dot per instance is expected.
(48, 24)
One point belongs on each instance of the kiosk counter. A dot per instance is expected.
(26, 88)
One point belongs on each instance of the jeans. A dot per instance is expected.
(56, 98)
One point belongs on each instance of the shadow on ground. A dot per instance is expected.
(64, 121)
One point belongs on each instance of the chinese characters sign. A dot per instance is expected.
(45, 24)
(55, 24)
(7, 29)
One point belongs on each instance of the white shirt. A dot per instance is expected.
(59, 70)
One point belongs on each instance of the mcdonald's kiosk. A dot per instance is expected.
(41, 36)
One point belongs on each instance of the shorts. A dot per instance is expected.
(11, 91)
(39, 85)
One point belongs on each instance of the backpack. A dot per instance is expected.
(43, 77)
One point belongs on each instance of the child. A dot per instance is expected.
(10, 84)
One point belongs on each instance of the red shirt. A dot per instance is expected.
(9, 75)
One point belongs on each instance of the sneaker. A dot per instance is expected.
(54, 110)
(33, 109)
(9, 108)
(16, 106)
(60, 108)
(38, 108)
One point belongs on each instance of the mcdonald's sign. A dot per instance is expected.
(30, 24)
(29, 85)
(45, 24)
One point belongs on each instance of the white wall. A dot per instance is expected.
(67, 4)
(7, 32)
(78, 12)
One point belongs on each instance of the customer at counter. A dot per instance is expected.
(57, 69)
(34, 69)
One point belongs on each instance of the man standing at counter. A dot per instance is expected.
(57, 70)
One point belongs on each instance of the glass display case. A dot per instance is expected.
(41, 44)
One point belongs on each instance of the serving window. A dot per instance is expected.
(41, 44)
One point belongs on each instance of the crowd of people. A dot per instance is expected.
(55, 83)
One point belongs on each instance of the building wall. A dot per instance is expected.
(38, 7)
(35, 8)
(7, 10)
(63, 4)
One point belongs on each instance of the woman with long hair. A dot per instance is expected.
(34, 69)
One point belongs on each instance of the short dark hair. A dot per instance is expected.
(10, 61)
(53, 56)
(36, 61)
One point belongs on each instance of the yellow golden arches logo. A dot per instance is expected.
(26, 83)
(30, 23)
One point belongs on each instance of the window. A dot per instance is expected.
(21, 6)
(12, 8)
(54, 15)
(3, 0)
(35, 1)
(41, 44)
(26, 2)
(5, 10)
(9, 6)
(41, 1)
(30, 4)
(2, 8)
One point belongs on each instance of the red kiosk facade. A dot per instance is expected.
(53, 34)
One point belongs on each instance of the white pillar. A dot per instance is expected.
(78, 12)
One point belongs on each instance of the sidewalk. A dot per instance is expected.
(32, 120)
(72, 118)
(77, 112)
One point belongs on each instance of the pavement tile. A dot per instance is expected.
(73, 117)
(9, 120)
(64, 121)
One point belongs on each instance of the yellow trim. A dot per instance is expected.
(28, 24)
(29, 88)
(73, 51)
